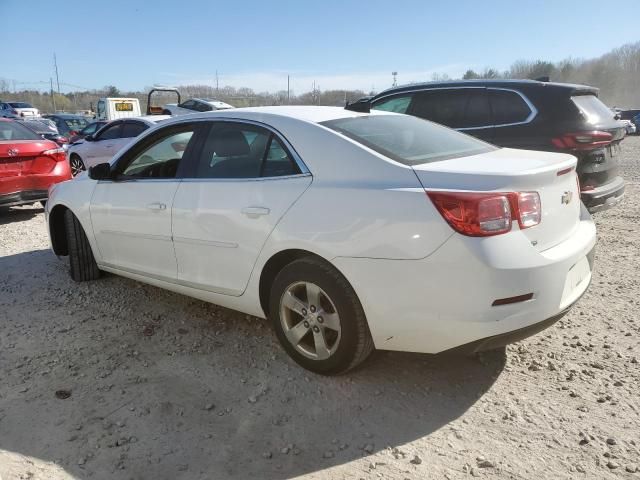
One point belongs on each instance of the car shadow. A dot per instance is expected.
(19, 214)
(117, 379)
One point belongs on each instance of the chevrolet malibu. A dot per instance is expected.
(349, 231)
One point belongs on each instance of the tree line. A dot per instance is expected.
(616, 74)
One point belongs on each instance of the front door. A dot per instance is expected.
(239, 187)
(131, 214)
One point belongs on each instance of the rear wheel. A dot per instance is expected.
(76, 164)
(318, 318)
(82, 264)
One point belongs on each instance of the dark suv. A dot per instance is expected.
(526, 114)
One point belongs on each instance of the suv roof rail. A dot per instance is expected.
(544, 78)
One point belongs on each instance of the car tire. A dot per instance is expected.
(342, 333)
(76, 164)
(82, 264)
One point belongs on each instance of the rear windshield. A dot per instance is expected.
(76, 124)
(15, 131)
(408, 140)
(20, 105)
(592, 109)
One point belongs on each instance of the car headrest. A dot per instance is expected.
(230, 143)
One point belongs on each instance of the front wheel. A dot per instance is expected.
(77, 165)
(82, 264)
(318, 318)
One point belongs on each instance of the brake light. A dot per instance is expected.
(487, 214)
(58, 154)
(583, 140)
(73, 132)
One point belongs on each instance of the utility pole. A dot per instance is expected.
(288, 91)
(53, 99)
(55, 64)
(217, 85)
(395, 79)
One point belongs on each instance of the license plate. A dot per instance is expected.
(124, 107)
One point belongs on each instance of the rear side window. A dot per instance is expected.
(132, 129)
(463, 108)
(508, 107)
(592, 109)
(395, 104)
(237, 150)
(407, 139)
(15, 131)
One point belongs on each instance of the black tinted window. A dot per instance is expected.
(111, 132)
(395, 104)
(15, 131)
(235, 150)
(461, 108)
(508, 107)
(132, 129)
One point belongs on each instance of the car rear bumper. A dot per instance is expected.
(446, 300)
(21, 189)
(605, 196)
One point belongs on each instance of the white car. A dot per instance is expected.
(106, 142)
(348, 230)
(24, 109)
(195, 105)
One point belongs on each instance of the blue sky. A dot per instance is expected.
(338, 44)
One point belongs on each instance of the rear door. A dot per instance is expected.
(511, 113)
(244, 180)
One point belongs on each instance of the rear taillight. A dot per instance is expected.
(58, 154)
(62, 139)
(73, 132)
(582, 140)
(486, 214)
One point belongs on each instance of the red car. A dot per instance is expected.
(29, 165)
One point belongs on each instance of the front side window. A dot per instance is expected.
(161, 158)
(508, 107)
(408, 140)
(395, 104)
(236, 150)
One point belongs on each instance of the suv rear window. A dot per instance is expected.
(592, 109)
(76, 124)
(15, 131)
(408, 140)
(20, 105)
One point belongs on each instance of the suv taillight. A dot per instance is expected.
(582, 140)
(486, 214)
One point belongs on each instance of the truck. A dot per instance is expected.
(111, 108)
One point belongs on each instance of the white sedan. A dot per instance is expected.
(348, 230)
(106, 142)
(195, 105)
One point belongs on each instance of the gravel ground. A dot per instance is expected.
(118, 380)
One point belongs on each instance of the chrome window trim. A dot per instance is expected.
(247, 179)
(532, 115)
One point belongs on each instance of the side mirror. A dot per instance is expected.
(617, 116)
(101, 171)
(89, 138)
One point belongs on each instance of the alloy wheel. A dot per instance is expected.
(310, 320)
(77, 166)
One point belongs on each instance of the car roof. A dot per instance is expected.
(307, 113)
(496, 83)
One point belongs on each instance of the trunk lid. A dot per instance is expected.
(552, 175)
(17, 157)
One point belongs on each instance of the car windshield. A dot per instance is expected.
(592, 108)
(408, 140)
(76, 124)
(15, 131)
(20, 105)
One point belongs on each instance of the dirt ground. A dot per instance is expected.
(160, 386)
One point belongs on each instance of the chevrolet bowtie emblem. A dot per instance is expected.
(566, 198)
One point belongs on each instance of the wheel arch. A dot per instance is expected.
(57, 231)
(276, 263)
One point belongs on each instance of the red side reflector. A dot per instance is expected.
(507, 301)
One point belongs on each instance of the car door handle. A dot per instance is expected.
(255, 212)
(157, 206)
